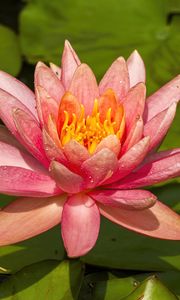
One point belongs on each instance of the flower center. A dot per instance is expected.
(89, 131)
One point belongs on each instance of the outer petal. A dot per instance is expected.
(127, 199)
(162, 99)
(70, 62)
(136, 68)
(19, 181)
(68, 181)
(155, 171)
(19, 90)
(158, 126)
(99, 167)
(25, 218)
(30, 135)
(13, 155)
(80, 224)
(134, 104)
(7, 104)
(46, 78)
(158, 221)
(84, 87)
(8, 138)
(130, 160)
(116, 78)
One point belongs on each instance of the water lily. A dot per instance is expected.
(76, 150)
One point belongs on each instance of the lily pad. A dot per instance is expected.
(44, 280)
(101, 30)
(10, 55)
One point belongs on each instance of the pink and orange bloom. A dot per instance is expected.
(76, 150)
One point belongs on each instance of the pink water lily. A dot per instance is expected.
(76, 150)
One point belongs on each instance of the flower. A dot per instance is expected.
(77, 150)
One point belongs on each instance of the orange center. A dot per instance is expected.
(107, 118)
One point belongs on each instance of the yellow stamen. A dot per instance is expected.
(89, 131)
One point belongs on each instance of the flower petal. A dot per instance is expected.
(127, 199)
(162, 99)
(75, 153)
(136, 68)
(25, 218)
(13, 155)
(158, 221)
(57, 70)
(134, 104)
(68, 181)
(19, 90)
(19, 181)
(8, 138)
(45, 105)
(80, 224)
(158, 126)
(30, 135)
(7, 104)
(130, 160)
(46, 78)
(157, 170)
(110, 142)
(99, 167)
(70, 62)
(52, 151)
(116, 78)
(134, 135)
(84, 87)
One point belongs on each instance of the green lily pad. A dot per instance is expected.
(10, 55)
(44, 280)
(101, 30)
(151, 288)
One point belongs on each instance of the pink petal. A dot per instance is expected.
(136, 68)
(111, 142)
(19, 90)
(30, 135)
(84, 87)
(45, 105)
(46, 78)
(75, 153)
(70, 62)
(155, 171)
(158, 221)
(130, 199)
(116, 78)
(130, 160)
(56, 70)
(162, 99)
(68, 181)
(13, 155)
(99, 167)
(26, 182)
(158, 126)
(80, 225)
(134, 104)
(8, 138)
(134, 135)
(7, 104)
(25, 218)
(52, 151)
